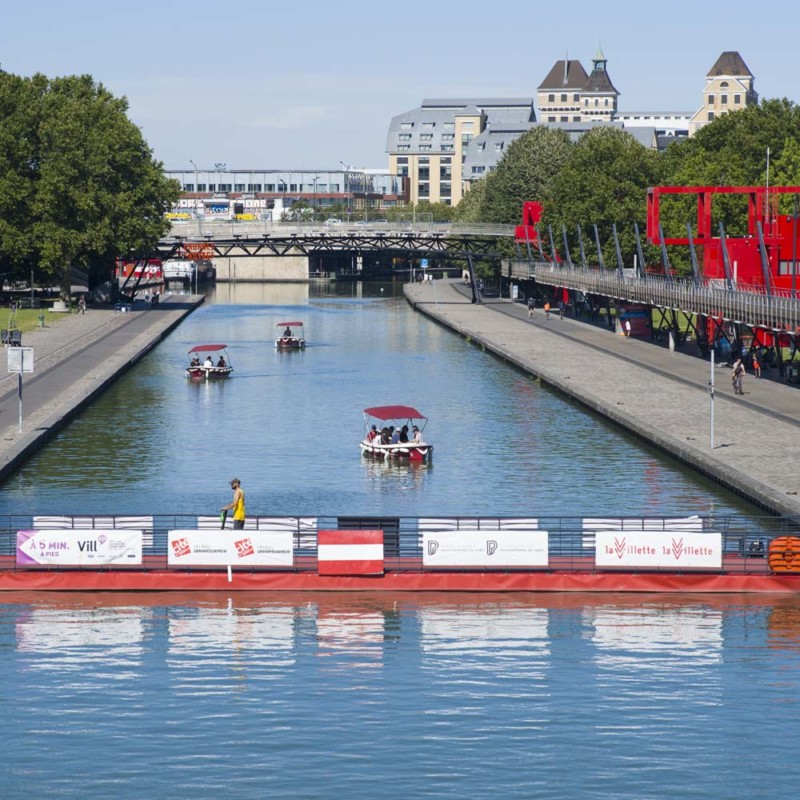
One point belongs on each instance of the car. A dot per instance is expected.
(361, 223)
(333, 221)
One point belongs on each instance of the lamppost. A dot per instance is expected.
(345, 182)
(196, 191)
(314, 202)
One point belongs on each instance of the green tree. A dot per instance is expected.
(83, 178)
(604, 181)
(526, 172)
(470, 208)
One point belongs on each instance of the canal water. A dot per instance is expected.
(336, 696)
(438, 696)
(288, 425)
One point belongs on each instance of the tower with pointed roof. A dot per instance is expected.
(729, 87)
(599, 100)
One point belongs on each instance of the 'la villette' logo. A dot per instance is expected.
(619, 547)
(677, 548)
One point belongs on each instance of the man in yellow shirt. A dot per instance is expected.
(237, 504)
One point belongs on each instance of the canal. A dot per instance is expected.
(288, 424)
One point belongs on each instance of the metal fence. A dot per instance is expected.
(746, 305)
(571, 540)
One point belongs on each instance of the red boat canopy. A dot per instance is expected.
(394, 412)
(290, 324)
(207, 348)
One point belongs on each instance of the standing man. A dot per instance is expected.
(237, 504)
(737, 374)
(531, 306)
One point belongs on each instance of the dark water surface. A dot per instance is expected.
(550, 696)
(288, 425)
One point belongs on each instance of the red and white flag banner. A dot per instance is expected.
(350, 552)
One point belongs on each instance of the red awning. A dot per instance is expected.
(207, 348)
(290, 324)
(394, 412)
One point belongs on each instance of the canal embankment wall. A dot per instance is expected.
(76, 357)
(660, 396)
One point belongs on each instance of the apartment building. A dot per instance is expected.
(729, 87)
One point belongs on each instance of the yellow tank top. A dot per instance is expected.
(238, 509)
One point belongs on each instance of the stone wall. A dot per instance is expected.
(262, 268)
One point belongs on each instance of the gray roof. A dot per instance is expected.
(598, 82)
(430, 118)
(729, 63)
(557, 79)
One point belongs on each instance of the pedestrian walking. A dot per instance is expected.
(756, 366)
(562, 307)
(237, 505)
(627, 329)
(547, 310)
(531, 306)
(737, 375)
(82, 304)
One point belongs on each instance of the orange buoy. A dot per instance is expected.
(784, 554)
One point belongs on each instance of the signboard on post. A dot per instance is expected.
(423, 262)
(20, 359)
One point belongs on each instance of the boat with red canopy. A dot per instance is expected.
(292, 336)
(395, 432)
(208, 361)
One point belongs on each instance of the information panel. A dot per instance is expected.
(662, 550)
(222, 548)
(485, 548)
(78, 548)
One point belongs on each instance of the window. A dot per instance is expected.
(586, 101)
(406, 126)
(429, 126)
(551, 98)
(481, 147)
(445, 172)
(402, 160)
(723, 85)
(551, 119)
(188, 187)
(564, 98)
(201, 187)
(424, 190)
(403, 147)
(737, 99)
(711, 100)
(270, 187)
(404, 137)
(448, 137)
(238, 187)
(564, 119)
(723, 98)
(224, 187)
(449, 126)
(425, 147)
(467, 125)
(710, 116)
(253, 187)
(605, 102)
(576, 98)
(426, 137)
(466, 138)
(576, 119)
(478, 170)
(445, 148)
(596, 102)
(498, 146)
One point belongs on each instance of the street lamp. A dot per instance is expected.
(347, 201)
(196, 193)
(314, 201)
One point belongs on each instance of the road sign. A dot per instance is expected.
(20, 359)
(423, 262)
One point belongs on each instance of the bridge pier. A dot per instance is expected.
(259, 269)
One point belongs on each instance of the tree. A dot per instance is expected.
(604, 182)
(526, 172)
(82, 181)
(471, 206)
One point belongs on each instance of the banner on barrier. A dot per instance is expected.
(78, 548)
(236, 548)
(667, 550)
(485, 548)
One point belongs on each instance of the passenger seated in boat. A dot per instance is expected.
(386, 436)
(221, 362)
(287, 332)
(404, 434)
(208, 362)
(396, 436)
(195, 362)
(416, 435)
(373, 433)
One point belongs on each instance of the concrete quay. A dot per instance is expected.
(75, 358)
(660, 396)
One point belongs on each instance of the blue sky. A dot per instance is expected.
(306, 84)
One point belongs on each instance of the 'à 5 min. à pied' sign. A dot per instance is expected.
(667, 550)
(78, 548)
(485, 548)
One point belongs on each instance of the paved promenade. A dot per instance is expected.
(75, 357)
(659, 395)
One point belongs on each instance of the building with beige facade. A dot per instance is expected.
(729, 87)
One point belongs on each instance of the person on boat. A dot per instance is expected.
(386, 436)
(221, 362)
(208, 362)
(403, 434)
(288, 332)
(416, 435)
(195, 362)
(373, 433)
(396, 436)
(237, 504)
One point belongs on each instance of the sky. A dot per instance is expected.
(313, 84)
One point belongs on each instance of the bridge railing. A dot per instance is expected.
(207, 229)
(747, 305)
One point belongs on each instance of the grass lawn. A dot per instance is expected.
(27, 319)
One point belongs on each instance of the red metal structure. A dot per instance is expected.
(765, 258)
(531, 217)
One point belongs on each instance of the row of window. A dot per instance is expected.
(267, 187)
(723, 99)
(448, 126)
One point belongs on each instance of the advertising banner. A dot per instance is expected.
(485, 548)
(78, 548)
(662, 550)
(235, 548)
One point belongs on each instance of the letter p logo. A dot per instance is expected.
(491, 547)
(433, 546)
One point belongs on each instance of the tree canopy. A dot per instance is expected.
(78, 183)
